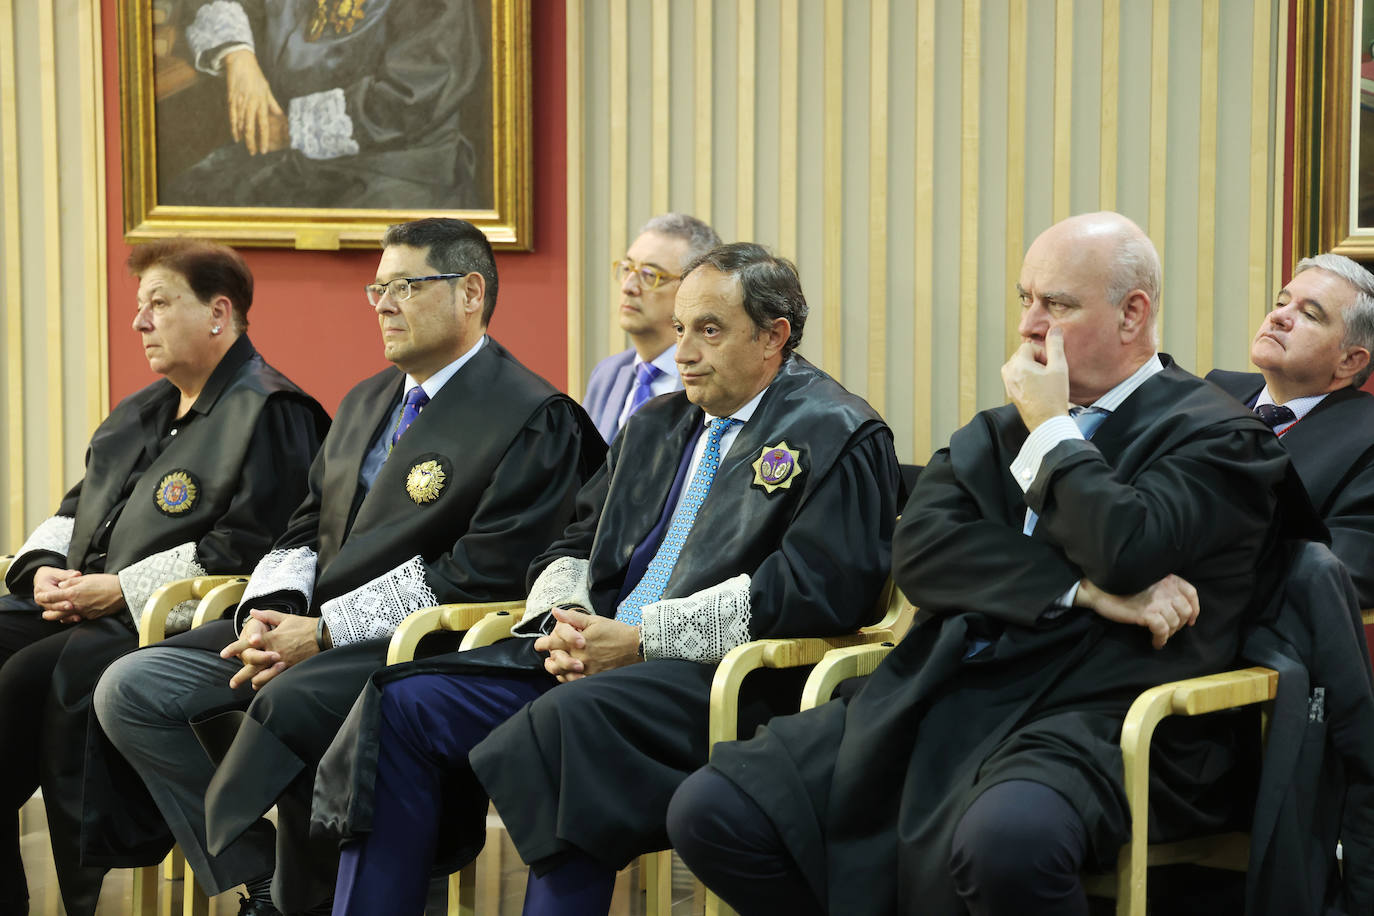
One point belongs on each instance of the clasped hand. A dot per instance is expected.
(1039, 392)
(1164, 608)
(582, 644)
(71, 596)
(269, 643)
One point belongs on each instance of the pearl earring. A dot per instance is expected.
(216, 329)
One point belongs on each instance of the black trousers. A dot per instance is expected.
(47, 673)
(1018, 851)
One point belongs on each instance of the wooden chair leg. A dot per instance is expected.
(193, 899)
(658, 882)
(173, 865)
(147, 881)
(462, 891)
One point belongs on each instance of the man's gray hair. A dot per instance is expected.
(700, 237)
(1136, 266)
(1359, 315)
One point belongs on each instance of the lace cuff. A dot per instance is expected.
(139, 580)
(375, 610)
(564, 581)
(282, 571)
(320, 125)
(217, 24)
(53, 536)
(701, 627)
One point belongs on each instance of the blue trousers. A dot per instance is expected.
(429, 724)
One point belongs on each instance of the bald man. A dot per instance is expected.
(1097, 536)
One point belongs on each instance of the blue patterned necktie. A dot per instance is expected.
(1088, 419)
(416, 399)
(645, 373)
(655, 580)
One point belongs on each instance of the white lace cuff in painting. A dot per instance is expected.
(701, 627)
(564, 581)
(217, 24)
(320, 125)
(53, 536)
(139, 580)
(375, 610)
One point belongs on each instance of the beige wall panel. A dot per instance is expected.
(53, 387)
(906, 171)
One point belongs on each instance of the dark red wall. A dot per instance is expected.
(310, 318)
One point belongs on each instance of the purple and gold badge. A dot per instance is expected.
(176, 493)
(776, 467)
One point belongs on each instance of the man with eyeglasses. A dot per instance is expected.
(649, 276)
(441, 480)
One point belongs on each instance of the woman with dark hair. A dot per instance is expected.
(193, 475)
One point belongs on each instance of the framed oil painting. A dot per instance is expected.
(317, 123)
(1333, 128)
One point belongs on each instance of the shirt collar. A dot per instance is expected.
(665, 362)
(1301, 407)
(745, 413)
(440, 378)
(1117, 396)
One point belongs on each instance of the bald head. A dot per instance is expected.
(1097, 277)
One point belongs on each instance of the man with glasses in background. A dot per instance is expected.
(438, 483)
(649, 276)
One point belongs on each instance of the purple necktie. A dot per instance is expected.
(1275, 415)
(645, 373)
(416, 399)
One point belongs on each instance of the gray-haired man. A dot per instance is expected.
(649, 275)
(1313, 351)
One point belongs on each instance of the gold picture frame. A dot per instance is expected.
(491, 186)
(1326, 177)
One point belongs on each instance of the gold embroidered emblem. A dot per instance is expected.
(776, 467)
(343, 15)
(425, 481)
(176, 493)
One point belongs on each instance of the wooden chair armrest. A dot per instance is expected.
(770, 653)
(5, 562)
(1192, 697)
(839, 666)
(452, 617)
(218, 600)
(152, 626)
(492, 628)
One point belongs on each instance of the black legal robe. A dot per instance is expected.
(246, 445)
(867, 792)
(817, 554)
(514, 450)
(1332, 449)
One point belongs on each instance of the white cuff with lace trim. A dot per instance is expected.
(320, 125)
(217, 24)
(375, 610)
(282, 571)
(701, 627)
(54, 535)
(564, 581)
(139, 580)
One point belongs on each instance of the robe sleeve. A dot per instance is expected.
(46, 545)
(524, 506)
(1126, 536)
(955, 549)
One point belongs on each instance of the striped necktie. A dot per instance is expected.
(645, 373)
(416, 399)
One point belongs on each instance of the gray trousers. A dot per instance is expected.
(141, 702)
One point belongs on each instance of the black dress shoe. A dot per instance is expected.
(250, 907)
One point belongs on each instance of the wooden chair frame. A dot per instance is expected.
(1191, 697)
